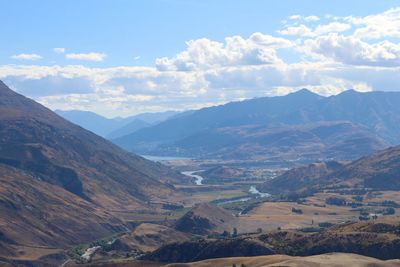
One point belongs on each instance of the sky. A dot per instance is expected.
(120, 57)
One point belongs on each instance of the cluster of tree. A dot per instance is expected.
(337, 201)
(225, 234)
(385, 203)
(298, 211)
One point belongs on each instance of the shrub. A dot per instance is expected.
(337, 201)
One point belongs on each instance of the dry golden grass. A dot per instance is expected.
(270, 215)
(330, 260)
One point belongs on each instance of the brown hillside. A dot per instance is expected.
(60, 183)
(205, 219)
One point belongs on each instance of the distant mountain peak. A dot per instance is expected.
(304, 91)
(350, 91)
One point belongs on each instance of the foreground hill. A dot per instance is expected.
(330, 260)
(59, 180)
(374, 239)
(301, 125)
(379, 171)
(324, 260)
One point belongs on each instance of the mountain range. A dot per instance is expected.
(115, 127)
(60, 183)
(300, 125)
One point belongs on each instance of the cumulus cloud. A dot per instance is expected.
(353, 51)
(203, 53)
(86, 56)
(27, 57)
(385, 24)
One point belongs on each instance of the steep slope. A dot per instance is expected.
(36, 140)
(356, 124)
(61, 182)
(34, 214)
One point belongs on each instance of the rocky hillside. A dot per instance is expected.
(60, 182)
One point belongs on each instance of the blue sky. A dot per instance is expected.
(126, 57)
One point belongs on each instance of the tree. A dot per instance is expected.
(235, 232)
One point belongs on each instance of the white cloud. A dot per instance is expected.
(331, 27)
(205, 54)
(311, 18)
(59, 50)
(27, 57)
(129, 90)
(301, 30)
(87, 56)
(352, 51)
(328, 57)
(295, 17)
(304, 31)
(386, 24)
